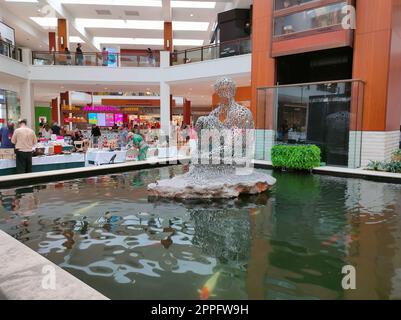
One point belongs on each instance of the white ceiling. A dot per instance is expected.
(17, 15)
(199, 92)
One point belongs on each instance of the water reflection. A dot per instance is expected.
(290, 243)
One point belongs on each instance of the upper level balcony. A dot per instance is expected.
(309, 25)
(8, 50)
(96, 59)
(212, 52)
(197, 54)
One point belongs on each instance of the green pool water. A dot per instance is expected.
(289, 243)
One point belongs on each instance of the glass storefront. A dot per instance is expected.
(9, 107)
(326, 114)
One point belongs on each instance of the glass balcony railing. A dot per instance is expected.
(96, 59)
(308, 20)
(212, 52)
(8, 50)
(326, 114)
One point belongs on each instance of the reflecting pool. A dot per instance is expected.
(289, 243)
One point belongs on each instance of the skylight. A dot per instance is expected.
(141, 24)
(136, 3)
(32, 1)
(145, 3)
(190, 26)
(75, 39)
(45, 22)
(146, 41)
(193, 4)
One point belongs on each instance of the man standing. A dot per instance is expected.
(24, 139)
(79, 55)
(96, 134)
(56, 129)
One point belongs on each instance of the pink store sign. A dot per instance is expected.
(101, 108)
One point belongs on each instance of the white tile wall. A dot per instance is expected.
(379, 145)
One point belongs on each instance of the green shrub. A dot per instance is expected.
(296, 157)
(390, 166)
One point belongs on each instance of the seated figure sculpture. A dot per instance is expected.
(221, 165)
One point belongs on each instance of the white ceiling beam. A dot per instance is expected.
(10, 18)
(167, 11)
(61, 11)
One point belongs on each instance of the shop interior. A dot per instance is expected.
(316, 113)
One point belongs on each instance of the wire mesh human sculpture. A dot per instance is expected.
(226, 135)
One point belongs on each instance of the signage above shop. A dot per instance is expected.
(101, 108)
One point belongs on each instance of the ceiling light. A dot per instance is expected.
(193, 4)
(141, 24)
(32, 1)
(135, 3)
(74, 39)
(188, 42)
(142, 3)
(146, 41)
(45, 22)
(189, 25)
(133, 41)
(120, 24)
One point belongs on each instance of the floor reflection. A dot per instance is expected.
(289, 243)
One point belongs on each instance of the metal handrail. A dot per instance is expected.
(74, 58)
(312, 83)
(11, 51)
(202, 49)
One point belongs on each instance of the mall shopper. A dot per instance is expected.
(150, 56)
(47, 132)
(1, 45)
(96, 134)
(78, 136)
(68, 55)
(105, 57)
(24, 139)
(123, 136)
(79, 55)
(6, 133)
(56, 129)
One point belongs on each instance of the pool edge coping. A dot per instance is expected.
(22, 267)
(377, 176)
(14, 181)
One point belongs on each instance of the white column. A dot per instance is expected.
(26, 94)
(165, 108)
(26, 56)
(164, 59)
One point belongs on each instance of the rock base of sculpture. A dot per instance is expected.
(212, 184)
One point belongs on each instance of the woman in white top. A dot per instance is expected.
(47, 132)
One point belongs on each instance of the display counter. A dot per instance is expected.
(99, 157)
(46, 163)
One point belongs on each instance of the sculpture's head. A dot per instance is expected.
(225, 88)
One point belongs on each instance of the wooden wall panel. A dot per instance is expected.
(329, 40)
(393, 116)
(62, 33)
(187, 112)
(55, 108)
(263, 65)
(52, 41)
(168, 36)
(371, 59)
